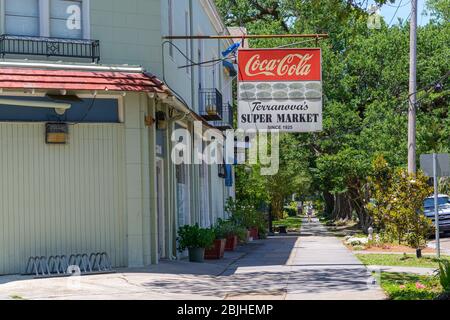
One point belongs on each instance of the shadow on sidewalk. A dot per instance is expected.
(314, 281)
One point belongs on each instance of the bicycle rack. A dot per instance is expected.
(38, 265)
(100, 261)
(58, 265)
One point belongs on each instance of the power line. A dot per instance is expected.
(395, 13)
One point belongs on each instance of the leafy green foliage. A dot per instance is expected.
(291, 223)
(405, 286)
(228, 228)
(192, 236)
(365, 79)
(398, 203)
(243, 213)
(401, 260)
(444, 275)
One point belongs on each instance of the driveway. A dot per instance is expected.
(311, 265)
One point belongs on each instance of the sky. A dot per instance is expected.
(388, 11)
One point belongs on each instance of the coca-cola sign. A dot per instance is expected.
(280, 89)
(279, 65)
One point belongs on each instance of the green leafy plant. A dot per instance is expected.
(444, 275)
(398, 203)
(228, 228)
(224, 229)
(192, 236)
(244, 214)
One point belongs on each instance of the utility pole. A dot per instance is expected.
(412, 89)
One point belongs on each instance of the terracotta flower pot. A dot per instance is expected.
(217, 250)
(231, 243)
(254, 233)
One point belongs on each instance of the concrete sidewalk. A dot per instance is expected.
(325, 269)
(314, 265)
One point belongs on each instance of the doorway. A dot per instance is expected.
(160, 196)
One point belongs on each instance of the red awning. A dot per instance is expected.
(23, 78)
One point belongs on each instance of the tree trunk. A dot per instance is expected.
(342, 209)
(329, 203)
(359, 196)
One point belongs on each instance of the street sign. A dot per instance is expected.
(436, 165)
(443, 164)
(280, 89)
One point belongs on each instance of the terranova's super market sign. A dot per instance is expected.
(280, 89)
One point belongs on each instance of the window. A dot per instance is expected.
(170, 19)
(22, 17)
(65, 19)
(47, 18)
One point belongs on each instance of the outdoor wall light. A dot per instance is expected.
(161, 121)
(56, 133)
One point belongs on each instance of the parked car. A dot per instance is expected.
(443, 209)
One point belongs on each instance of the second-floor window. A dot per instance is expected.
(47, 18)
(22, 17)
(65, 19)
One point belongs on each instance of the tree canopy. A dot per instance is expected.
(365, 80)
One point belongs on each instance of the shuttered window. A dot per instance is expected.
(22, 17)
(65, 19)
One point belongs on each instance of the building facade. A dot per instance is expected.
(91, 97)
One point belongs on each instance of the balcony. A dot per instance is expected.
(210, 107)
(227, 118)
(49, 47)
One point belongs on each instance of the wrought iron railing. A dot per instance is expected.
(210, 107)
(227, 118)
(49, 47)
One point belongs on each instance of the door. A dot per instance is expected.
(183, 195)
(204, 195)
(160, 195)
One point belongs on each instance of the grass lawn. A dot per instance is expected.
(408, 260)
(406, 286)
(289, 222)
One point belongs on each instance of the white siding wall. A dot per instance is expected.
(61, 199)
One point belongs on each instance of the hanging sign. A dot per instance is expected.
(280, 89)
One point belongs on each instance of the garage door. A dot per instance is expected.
(61, 199)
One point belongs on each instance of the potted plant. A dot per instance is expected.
(237, 234)
(218, 249)
(195, 239)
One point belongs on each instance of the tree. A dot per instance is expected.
(365, 80)
(398, 203)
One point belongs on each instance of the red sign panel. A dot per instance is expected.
(280, 65)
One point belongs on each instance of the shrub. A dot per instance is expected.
(228, 228)
(194, 237)
(397, 208)
(224, 229)
(290, 212)
(245, 215)
(444, 275)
